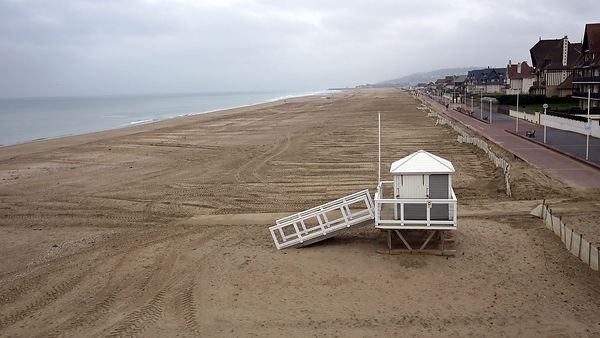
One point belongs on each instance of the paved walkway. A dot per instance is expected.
(554, 164)
(567, 141)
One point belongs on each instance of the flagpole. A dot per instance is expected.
(517, 130)
(379, 141)
(587, 139)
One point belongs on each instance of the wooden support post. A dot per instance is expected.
(562, 229)
(389, 239)
(543, 208)
(427, 240)
(403, 240)
(580, 239)
(571, 240)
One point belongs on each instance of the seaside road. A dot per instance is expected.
(569, 171)
(567, 141)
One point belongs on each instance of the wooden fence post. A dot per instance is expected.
(580, 239)
(571, 240)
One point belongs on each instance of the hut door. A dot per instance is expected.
(438, 188)
(412, 186)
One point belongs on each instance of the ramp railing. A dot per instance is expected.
(324, 220)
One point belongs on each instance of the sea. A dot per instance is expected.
(29, 119)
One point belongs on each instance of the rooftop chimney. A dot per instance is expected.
(519, 68)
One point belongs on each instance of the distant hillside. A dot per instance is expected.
(413, 79)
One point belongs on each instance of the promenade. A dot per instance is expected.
(556, 165)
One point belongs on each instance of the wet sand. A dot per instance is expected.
(161, 230)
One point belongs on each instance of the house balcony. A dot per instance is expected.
(586, 79)
(584, 95)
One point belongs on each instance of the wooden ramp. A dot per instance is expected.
(325, 221)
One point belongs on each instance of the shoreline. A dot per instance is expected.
(45, 144)
(158, 120)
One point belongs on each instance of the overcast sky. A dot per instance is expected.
(84, 47)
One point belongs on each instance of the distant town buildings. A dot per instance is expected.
(519, 78)
(586, 76)
(488, 80)
(558, 68)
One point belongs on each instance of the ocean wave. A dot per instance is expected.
(143, 121)
(291, 96)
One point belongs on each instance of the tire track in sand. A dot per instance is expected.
(286, 145)
(274, 149)
(47, 298)
(185, 307)
(137, 321)
(59, 290)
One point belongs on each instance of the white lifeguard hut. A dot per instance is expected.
(419, 201)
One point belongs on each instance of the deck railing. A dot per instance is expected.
(323, 220)
(385, 218)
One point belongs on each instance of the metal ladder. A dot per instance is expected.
(315, 225)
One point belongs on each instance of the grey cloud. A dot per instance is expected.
(103, 47)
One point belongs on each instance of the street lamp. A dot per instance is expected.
(588, 127)
(545, 107)
(517, 130)
(472, 105)
(481, 105)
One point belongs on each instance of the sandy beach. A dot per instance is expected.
(162, 230)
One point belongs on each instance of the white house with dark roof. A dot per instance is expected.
(519, 78)
(490, 80)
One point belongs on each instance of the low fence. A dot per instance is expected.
(558, 122)
(497, 160)
(464, 137)
(530, 117)
(573, 241)
(570, 125)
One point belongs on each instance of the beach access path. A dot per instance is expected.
(554, 164)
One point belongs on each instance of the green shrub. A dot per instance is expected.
(529, 100)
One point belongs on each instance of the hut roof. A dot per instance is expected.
(421, 162)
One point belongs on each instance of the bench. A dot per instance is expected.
(530, 133)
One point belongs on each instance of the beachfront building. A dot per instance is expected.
(488, 80)
(519, 78)
(586, 76)
(459, 81)
(553, 61)
(459, 88)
